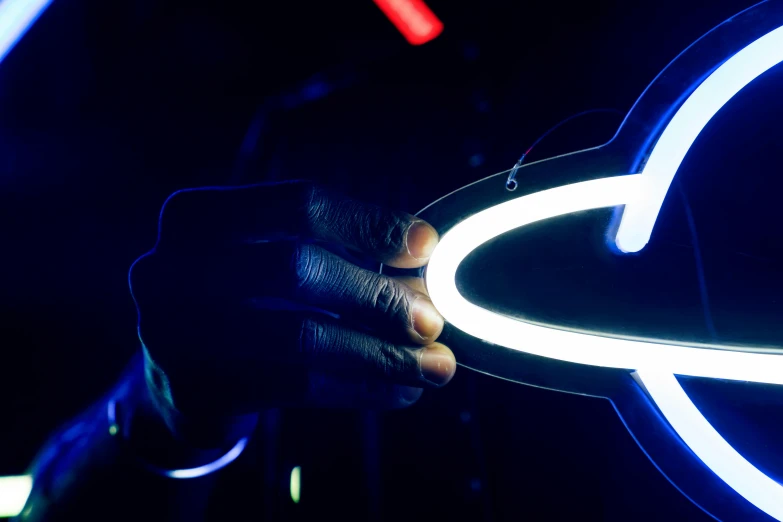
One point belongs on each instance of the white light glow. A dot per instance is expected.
(16, 17)
(709, 446)
(296, 484)
(642, 195)
(639, 216)
(564, 345)
(13, 494)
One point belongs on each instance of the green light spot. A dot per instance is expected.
(296, 484)
(13, 494)
(113, 430)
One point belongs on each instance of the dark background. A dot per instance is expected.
(107, 107)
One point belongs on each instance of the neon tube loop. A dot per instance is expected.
(642, 194)
(564, 345)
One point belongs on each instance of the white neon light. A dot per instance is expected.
(575, 347)
(296, 484)
(642, 195)
(13, 494)
(709, 446)
(639, 216)
(16, 17)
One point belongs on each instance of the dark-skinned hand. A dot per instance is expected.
(244, 304)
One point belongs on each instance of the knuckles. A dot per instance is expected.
(309, 267)
(390, 298)
(231, 215)
(383, 231)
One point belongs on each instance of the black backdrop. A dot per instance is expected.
(107, 107)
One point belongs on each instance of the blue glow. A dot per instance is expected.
(721, 86)
(200, 471)
(656, 363)
(711, 361)
(664, 120)
(709, 446)
(16, 17)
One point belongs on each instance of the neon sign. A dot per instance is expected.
(655, 363)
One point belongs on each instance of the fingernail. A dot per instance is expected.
(427, 322)
(437, 364)
(421, 240)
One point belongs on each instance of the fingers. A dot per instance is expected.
(306, 274)
(311, 275)
(394, 238)
(193, 218)
(332, 346)
(387, 305)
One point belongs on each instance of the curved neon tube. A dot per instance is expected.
(709, 446)
(738, 71)
(642, 195)
(14, 492)
(565, 345)
(16, 17)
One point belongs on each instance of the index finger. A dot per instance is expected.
(394, 238)
(230, 215)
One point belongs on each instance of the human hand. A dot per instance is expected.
(231, 302)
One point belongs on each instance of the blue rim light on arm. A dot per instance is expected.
(656, 363)
(201, 471)
(188, 473)
(16, 17)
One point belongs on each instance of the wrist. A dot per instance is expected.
(165, 440)
(204, 431)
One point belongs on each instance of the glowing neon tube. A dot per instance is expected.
(642, 194)
(709, 446)
(715, 362)
(16, 17)
(201, 471)
(13, 494)
(675, 141)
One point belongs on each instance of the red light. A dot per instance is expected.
(417, 23)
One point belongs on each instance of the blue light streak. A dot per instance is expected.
(187, 473)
